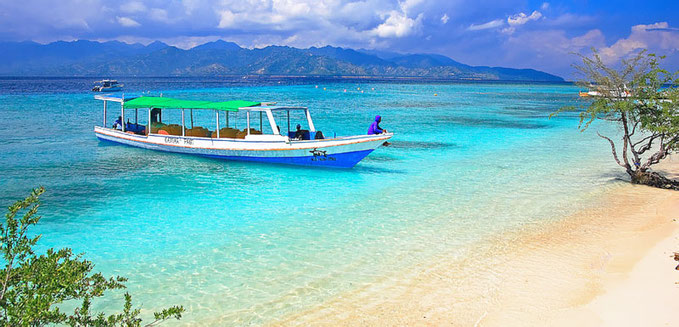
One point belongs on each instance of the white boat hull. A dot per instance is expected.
(343, 152)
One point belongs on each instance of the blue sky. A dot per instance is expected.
(520, 34)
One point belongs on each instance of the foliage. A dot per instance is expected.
(643, 100)
(32, 286)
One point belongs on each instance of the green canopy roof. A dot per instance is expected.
(169, 103)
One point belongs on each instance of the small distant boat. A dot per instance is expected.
(598, 91)
(307, 147)
(107, 85)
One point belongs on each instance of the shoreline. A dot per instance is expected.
(605, 265)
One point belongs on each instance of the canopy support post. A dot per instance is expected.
(288, 120)
(260, 122)
(183, 125)
(122, 115)
(272, 121)
(191, 112)
(311, 123)
(247, 114)
(105, 102)
(148, 128)
(217, 112)
(136, 118)
(227, 119)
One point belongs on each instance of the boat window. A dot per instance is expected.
(288, 120)
(136, 120)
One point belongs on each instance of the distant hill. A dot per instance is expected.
(113, 58)
(217, 45)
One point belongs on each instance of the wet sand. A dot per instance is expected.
(607, 265)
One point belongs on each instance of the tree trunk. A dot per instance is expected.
(653, 179)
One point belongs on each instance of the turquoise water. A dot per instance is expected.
(251, 243)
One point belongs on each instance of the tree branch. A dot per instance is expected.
(648, 145)
(625, 142)
(644, 139)
(637, 159)
(615, 154)
(634, 129)
(656, 157)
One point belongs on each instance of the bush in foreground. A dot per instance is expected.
(32, 286)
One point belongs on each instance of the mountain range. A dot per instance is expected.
(218, 58)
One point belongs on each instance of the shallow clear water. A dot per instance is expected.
(249, 243)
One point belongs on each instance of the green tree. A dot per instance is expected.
(33, 285)
(643, 100)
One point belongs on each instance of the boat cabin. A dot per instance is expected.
(107, 82)
(255, 121)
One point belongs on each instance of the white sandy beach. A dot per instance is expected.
(610, 265)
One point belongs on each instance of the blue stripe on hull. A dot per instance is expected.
(336, 160)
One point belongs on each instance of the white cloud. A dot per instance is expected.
(508, 30)
(569, 20)
(485, 26)
(522, 18)
(663, 29)
(511, 23)
(445, 18)
(555, 43)
(127, 22)
(545, 6)
(159, 15)
(408, 5)
(292, 8)
(551, 50)
(658, 37)
(190, 6)
(291, 39)
(227, 19)
(397, 25)
(132, 7)
(593, 38)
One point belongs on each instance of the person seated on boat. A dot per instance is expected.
(375, 127)
(155, 115)
(299, 133)
(118, 124)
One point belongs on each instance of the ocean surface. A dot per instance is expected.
(246, 243)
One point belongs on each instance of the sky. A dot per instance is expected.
(518, 34)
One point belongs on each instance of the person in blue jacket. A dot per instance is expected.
(118, 124)
(375, 127)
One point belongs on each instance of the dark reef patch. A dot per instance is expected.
(380, 158)
(490, 122)
(422, 145)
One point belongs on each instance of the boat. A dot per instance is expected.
(599, 91)
(107, 85)
(224, 140)
(586, 94)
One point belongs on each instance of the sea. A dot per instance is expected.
(240, 243)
